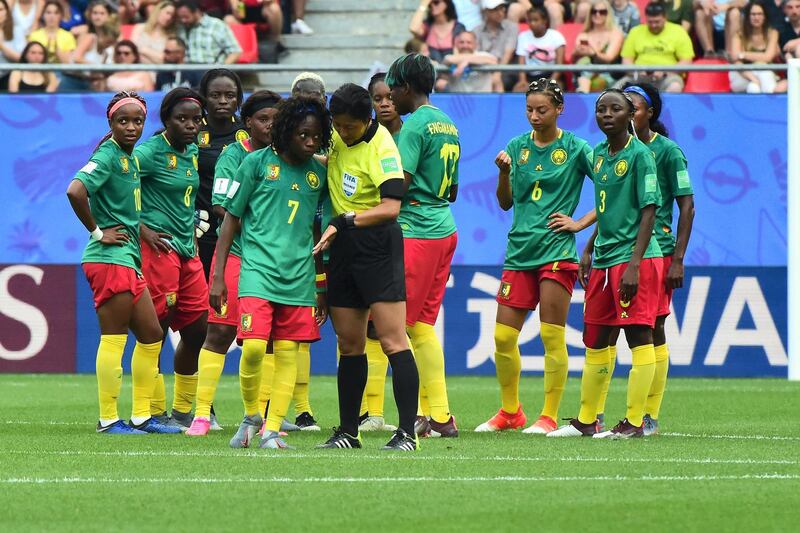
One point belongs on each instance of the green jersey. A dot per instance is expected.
(429, 151)
(224, 175)
(112, 179)
(673, 181)
(544, 181)
(624, 184)
(169, 186)
(277, 203)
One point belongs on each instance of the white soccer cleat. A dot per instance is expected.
(575, 428)
(376, 423)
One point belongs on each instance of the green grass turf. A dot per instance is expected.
(729, 460)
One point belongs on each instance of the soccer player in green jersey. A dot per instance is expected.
(430, 151)
(676, 187)
(371, 418)
(106, 197)
(258, 113)
(366, 275)
(274, 200)
(170, 263)
(625, 282)
(541, 174)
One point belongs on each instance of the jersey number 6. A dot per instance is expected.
(449, 154)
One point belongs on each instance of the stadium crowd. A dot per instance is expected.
(456, 34)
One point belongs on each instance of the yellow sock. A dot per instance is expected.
(265, 387)
(184, 392)
(595, 370)
(639, 380)
(428, 349)
(209, 369)
(108, 367)
(250, 373)
(302, 403)
(376, 377)
(424, 408)
(158, 402)
(282, 382)
(653, 405)
(555, 367)
(612, 360)
(144, 370)
(508, 364)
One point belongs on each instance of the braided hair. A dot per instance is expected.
(547, 87)
(291, 112)
(375, 79)
(114, 99)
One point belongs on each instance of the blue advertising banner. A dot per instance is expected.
(735, 144)
(726, 322)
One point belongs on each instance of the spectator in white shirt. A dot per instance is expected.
(540, 47)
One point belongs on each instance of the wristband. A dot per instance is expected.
(322, 283)
(338, 223)
(96, 234)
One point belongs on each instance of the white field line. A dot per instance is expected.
(251, 454)
(493, 479)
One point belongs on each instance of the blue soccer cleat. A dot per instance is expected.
(119, 428)
(151, 425)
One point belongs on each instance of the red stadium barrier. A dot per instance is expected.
(248, 40)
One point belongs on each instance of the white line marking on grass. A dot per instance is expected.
(357, 457)
(429, 479)
(745, 437)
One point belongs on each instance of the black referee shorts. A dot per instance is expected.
(366, 266)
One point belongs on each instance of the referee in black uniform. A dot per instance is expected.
(366, 272)
(222, 90)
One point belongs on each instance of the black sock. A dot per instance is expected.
(405, 383)
(351, 380)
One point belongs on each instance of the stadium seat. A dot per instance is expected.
(125, 31)
(642, 4)
(248, 40)
(570, 31)
(708, 82)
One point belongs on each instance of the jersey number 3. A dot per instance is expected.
(449, 154)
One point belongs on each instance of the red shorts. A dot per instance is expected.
(262, 319)
(603, 306)
(106, 280)
(666, 292)
(427, 263)
(178, 282)
(230, 309)
(520, 288)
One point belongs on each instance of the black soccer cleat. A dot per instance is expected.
(402, 442)
(305, 421)
(341, 440)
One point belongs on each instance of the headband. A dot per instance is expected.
(641, 92)
(191, 99)
(125, 101)
(258, 106)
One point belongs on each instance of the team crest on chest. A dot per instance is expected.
(505, 290)
(242, 135)
(273, 172)
(524, 154)
(598, 163)
(172, 161)
(125, 165)
(203, 139)
(558, 156)
(621, 167)
(312, 179)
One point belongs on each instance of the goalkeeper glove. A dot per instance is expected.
(201, 224)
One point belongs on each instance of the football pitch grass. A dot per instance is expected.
(728, 458)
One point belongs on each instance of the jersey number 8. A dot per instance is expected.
(187, 197)
(449, 154)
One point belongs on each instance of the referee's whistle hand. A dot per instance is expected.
(325, 241)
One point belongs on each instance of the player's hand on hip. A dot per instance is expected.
(503, 161)
(559, 222)
(154, 239)
(321, 311)
(217, 294)
(584, 269)
(325, 241)
(629, 284)
(115, 235)
(675, 275)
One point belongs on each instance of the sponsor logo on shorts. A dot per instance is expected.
(505, 290)
(523, 156)
(312, 179)
(273, 172)
(559, 156)
(125, 165)
(623, 315)
(621, 167)
(389, 164)
(349, 184)
(172, 161)
(203, 139)
(598, 163)
(172, 299)
(242, 135)
(247, 322)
